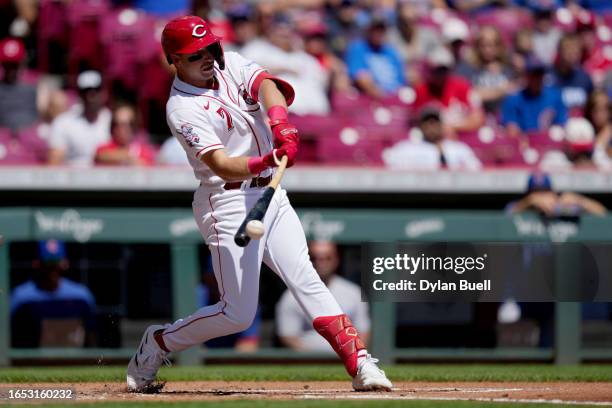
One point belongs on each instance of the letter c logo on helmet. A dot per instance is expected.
(195, 32)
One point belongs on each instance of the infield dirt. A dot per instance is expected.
(557, 392)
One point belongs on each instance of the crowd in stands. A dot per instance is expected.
(406, 83)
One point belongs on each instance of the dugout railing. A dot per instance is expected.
(177, 228)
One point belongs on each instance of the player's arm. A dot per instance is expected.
(270, 95)
(228, 168)
(275, 100)
(241, 167)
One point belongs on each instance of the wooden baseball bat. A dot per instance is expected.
(261, 206)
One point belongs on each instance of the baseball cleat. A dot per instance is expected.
(370, 378)
(143, 367)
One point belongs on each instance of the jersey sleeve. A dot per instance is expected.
(192, 132)
(252, 75)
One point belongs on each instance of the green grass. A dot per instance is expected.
(306, 404)
(421, 372)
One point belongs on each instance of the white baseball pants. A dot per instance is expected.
(283, 248)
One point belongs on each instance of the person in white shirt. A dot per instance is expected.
(434, 151)
(293, 326)
(76, 134)
(278, 54)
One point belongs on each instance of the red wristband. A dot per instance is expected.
(277, 113)
(257, 164)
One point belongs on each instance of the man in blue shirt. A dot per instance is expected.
(568, 74)
(535, 107)
(49, 309)
(375, 66)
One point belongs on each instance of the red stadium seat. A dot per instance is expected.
(122, 31)
(351, 145)
(84, 17)
(493, 148)
(52, 29)
(21, 148)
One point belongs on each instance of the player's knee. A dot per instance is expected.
(243, 320)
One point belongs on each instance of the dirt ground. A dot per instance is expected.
(556, 392)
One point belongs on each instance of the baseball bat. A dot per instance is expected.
(258, 211)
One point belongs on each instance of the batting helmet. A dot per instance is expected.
(190, 34)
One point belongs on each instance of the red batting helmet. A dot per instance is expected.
(189, 34)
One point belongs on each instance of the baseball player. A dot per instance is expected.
(230, 116)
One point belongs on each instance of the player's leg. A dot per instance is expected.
(237, 273)
(286, 253)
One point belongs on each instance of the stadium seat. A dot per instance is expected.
(20, 149)
(52, 30)
(493, 148)
(351, 145)
(84, 17)
(121, 30)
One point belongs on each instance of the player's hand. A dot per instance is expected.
(284, 132)
(288, 149)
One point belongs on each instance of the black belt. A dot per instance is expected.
(255, 182)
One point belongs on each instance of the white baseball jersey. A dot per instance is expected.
(229, 117)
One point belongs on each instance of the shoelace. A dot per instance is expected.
(373, 361)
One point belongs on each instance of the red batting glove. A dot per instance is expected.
(258, 164)
(281, 128)
(291, 151)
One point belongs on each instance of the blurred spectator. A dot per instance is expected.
(598, 111)
(552, 208)
(455, 34)
(412, 40)
(546, 35)
(76, 134)
(277, 52)
(541, 197)
(490, 76)
(596, 57)
(295, 329)
(434, 151)
(522, 48)
(578, 146)
(568, 75)
(124, 148)
(243, 23)
(18, 101)
(316, 44)
(172, 153)
(535, 107)
(50, 310)
(460, 106)
(374, 65)
(343, 19)
(56, 105)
